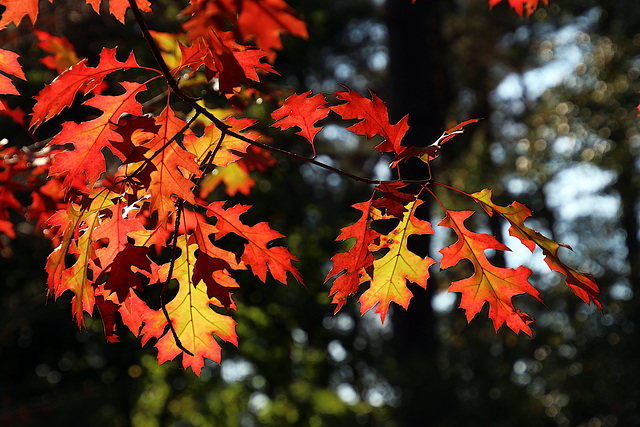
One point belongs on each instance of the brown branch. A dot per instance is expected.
(175, 88)
(165, 287)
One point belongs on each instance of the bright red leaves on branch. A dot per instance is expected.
(130, 200)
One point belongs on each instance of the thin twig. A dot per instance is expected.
(163, 294)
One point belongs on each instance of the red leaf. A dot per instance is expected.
(266, 20)
(230, 149)
(258, 252)
(430, 152)
(79, 78)
(374, 120)
(489, 284)
(89, 138)
(18, 9)
(528, 5)
(304, 112)
(355, 262)
(118, 8)
(10, 65)
(263, 21)
(174, 166)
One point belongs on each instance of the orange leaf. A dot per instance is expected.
(18, 9)
(118, 8)
(528, 5)
(174, 166)
(266, 20)
(516, 213)
(90, 137)
(63, 55)
(489, 284)
(231, 148)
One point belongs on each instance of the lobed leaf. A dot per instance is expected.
(373, 120)
(304, 112)
(399, 265)
(79, 78)
(258, 252)
(488, 284)
(192, 317)
(516, 213)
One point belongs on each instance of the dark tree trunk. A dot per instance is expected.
(418, 87)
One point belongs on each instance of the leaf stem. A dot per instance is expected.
(165, 287)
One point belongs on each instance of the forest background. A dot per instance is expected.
(558, 92)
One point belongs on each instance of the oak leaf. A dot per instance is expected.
(258, 253)
(488, 284)
(16, 10)
(79, 78)
(90, 137)
(192, 317)
(174, 166)
(9, 64)
(354, 263)
(516, 213)
(397, 266)
(304, 112)
(118, 8)
(63, 55)
(266, 20)
(373, 120)
(519, 5)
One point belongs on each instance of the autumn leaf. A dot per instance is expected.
(265, 20)
(16, 10)
(174, 166)
(213, 264)
(373, 120)
(304, 112)
(63, 55)
(90, 137)
(516, 213)
(235, 177)
(227, 148)
(351, 267)
(262, 21)
(225, 59)
(488, 284)
(519, 5)
(397, 266)
(118, 256)
(76, 225)
(192, 316)
(258, 253)
(79, 78)
(430, 152)
(9, 64)
(118, 8)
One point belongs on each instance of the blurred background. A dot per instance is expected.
(558, 93)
